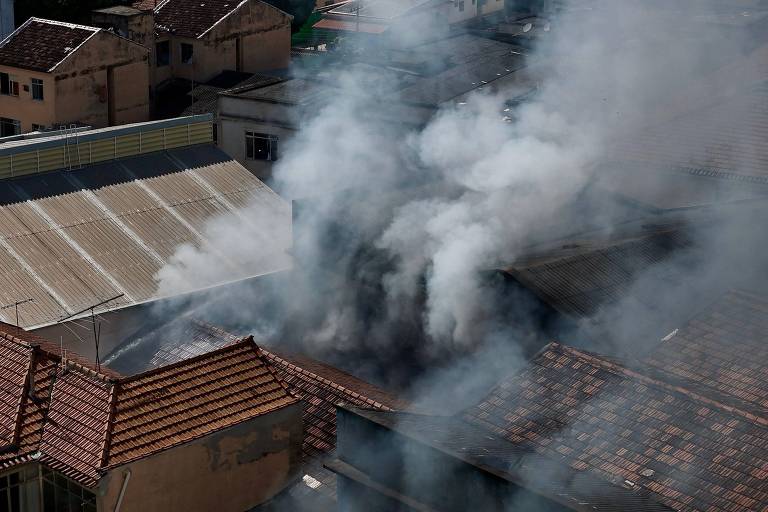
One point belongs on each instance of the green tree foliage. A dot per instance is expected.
(73, 11)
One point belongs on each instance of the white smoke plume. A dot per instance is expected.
(490, 178)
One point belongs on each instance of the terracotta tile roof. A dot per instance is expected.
(192, 18)
(722, 349)
(40, 45)
(174, 404)
(578, 280)
(79, 421)
(322, 387)
(691, 451)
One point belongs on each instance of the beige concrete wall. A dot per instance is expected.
(230, 471)
(82, 89)
(23, 107)
(265, 40)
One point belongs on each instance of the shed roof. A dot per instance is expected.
(80, 421)
(692, 452)
(40, 44)
(69, 239)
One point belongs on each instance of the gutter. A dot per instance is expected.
(126, 478)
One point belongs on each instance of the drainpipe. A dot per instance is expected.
(126, 477)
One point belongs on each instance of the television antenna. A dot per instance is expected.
(16, 305)
(96, 330)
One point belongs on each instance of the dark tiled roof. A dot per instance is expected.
(39, 45)
(579, 278)
(595, 415)
(192, 18)
(722, 349)
(494, 454)
(79, 420)
(322, 387)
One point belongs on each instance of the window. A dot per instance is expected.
(260, 146)
(60, 494)
(9, 85)
(163, 53)
(38, 127)
(37, 89)
(461, 6)
(186, 53)
(9, 127)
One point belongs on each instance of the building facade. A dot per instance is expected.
(195, 41)
(54, 73)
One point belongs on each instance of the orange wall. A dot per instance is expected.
(230, 471)
(23, 107)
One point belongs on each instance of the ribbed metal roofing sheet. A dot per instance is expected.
(92, 233)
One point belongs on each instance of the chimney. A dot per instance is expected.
(6, 18)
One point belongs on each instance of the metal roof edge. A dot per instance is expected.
(25, 146)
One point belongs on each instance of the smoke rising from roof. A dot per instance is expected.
(395, 224)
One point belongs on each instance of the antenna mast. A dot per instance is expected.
(96, 331)
(16, 305)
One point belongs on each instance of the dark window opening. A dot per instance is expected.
(9, 85)
(61, 494)
(163, 53)
(9, 127)
(461, 6)
(186, 53)
(37, 89)
(260, 146)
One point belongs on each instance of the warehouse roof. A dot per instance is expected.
(192, 18)
(691, 451)
(40, 45)
(79, 421)
(69, 239)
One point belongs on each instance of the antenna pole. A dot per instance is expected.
(16, 305)
(96, 340)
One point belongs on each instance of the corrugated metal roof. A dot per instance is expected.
(99, 231)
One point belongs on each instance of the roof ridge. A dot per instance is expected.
(64, 24)
(620, 369)
(334, 385)
(178, 364)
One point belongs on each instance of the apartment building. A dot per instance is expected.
(54, 73)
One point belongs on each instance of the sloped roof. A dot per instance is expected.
(690, 451)
(722, 350)
(192, 18)
(725, 139)
(69, 239)
(578, 278)
(40, 45)
(79, 421)
(322, 387)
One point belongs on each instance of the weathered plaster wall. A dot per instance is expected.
(82, 89)
(230, 471)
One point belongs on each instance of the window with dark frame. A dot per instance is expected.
(260, 146)
(9, 85)
(37, 89)
(60, 494)
(187, 51)
(461, 6)
(9, 127)
(163, 53)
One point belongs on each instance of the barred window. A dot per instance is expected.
(260, 146)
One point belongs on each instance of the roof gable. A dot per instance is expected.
(40, 45)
